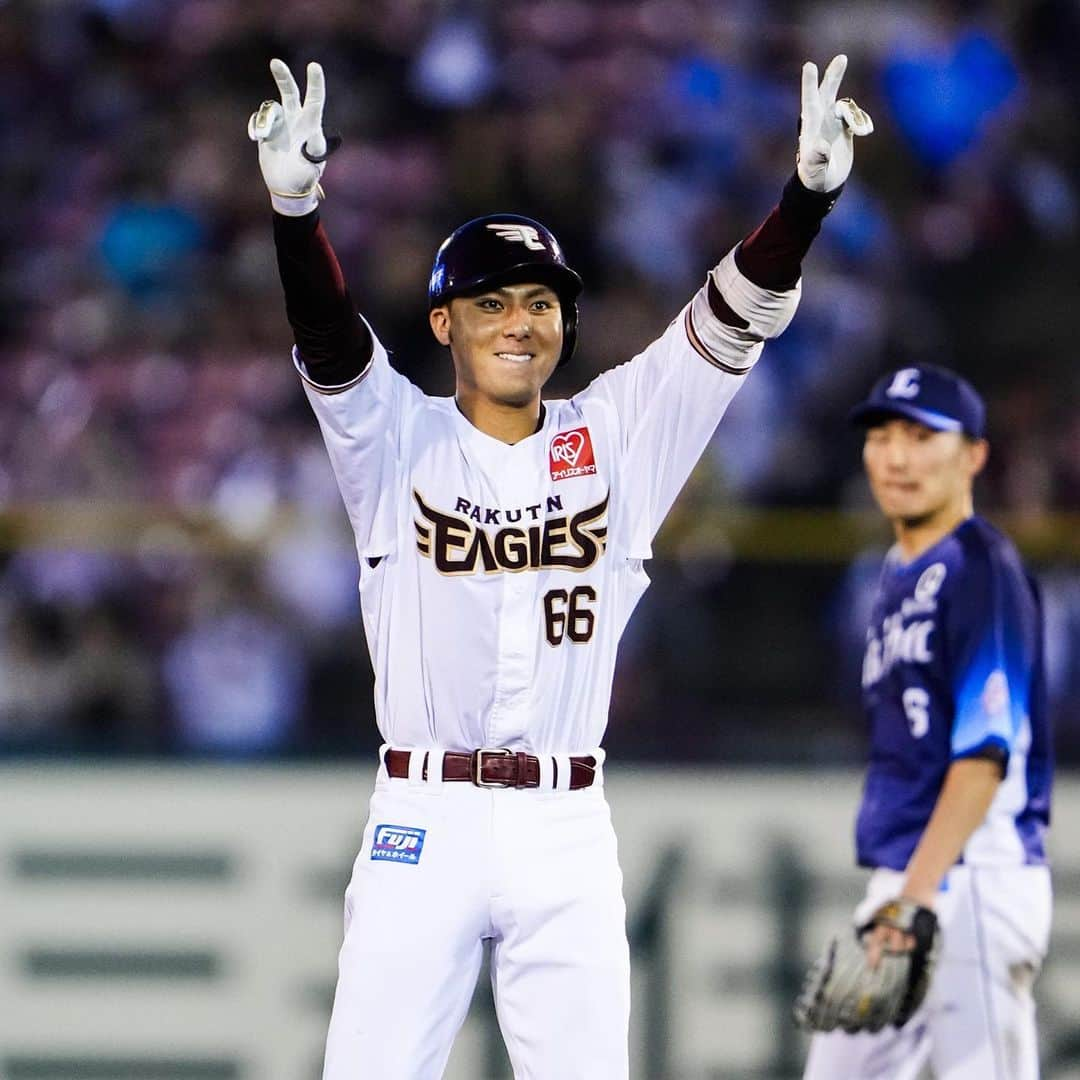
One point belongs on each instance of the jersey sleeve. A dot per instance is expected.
(364, 424)
(993, 643)
(667, 400)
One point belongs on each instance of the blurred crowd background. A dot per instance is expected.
(176, 574)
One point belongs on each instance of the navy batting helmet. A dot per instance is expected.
(505, 249)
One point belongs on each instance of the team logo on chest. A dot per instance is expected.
(898, 643)
(457, 544)
(570, 453)
(904, 638)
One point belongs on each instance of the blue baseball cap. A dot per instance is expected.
(929, 395)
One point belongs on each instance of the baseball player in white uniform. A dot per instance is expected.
(502, 542)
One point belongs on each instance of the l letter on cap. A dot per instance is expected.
(905, 384)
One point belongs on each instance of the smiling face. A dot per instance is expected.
(505, 343)
(921, 478)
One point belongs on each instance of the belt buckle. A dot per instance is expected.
(478, 765)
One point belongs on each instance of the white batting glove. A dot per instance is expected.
(827, 128)
(290, 136)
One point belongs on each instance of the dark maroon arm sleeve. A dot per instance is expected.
(771, 256)
(331, 338)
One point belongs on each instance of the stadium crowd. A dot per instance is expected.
(145, 348)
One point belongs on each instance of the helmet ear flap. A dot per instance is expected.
(569, 330)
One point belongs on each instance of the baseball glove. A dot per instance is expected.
(843, 991)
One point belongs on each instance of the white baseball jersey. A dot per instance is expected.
(495, 582)
(496, 579)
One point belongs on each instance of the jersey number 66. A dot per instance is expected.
(567, 614)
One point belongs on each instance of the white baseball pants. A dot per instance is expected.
(978, 1020)
(444, 866)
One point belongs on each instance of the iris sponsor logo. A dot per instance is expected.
(397, 843)
(571, 454)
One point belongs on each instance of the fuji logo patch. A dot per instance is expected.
(571, 454)
(397, 843)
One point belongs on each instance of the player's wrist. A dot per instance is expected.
(804, 207)
(920, 893)
(296, 205)
(298, 225)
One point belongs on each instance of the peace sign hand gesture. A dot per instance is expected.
(827, 128)
(292, 147)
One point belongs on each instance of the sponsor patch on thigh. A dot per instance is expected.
(397, 843)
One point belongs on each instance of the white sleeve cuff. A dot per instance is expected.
(767, 313)
(766, 310)
(302, 371)
(726, 347)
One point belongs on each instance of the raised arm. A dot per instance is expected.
(361, 403)
(771, 256)
(667, 400)
(332, 340)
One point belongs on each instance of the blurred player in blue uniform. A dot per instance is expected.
(957, 794)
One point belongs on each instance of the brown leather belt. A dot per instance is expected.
(494, 768)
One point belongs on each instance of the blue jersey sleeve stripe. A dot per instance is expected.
(991, 742)
(991, 690)
(988, 703)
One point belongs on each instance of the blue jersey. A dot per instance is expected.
(953, 669)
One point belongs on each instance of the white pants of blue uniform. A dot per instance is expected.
(978, 1020)
(537, 873)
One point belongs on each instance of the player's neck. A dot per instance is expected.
(916, 536)
(507, 423)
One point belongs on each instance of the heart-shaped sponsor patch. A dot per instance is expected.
(570, 453)
(567, 447)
